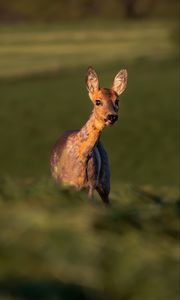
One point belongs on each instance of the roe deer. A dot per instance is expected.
(79, 158)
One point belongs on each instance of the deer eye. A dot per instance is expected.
(98, 102)
(117, 102)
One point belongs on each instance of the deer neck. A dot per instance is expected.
(89, 135)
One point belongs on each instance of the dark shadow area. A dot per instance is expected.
(46, 289)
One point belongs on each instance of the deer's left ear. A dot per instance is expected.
(92, 81)
(120, 81)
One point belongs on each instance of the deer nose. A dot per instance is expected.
(112, 118)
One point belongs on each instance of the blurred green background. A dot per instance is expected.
(54, 243)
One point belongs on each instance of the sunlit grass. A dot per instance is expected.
(23, 51)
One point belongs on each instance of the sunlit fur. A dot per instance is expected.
(78, 158)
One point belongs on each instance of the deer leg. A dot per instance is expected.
(104, 196)
(90, 192)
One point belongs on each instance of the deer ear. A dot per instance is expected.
(92, 82)
(120, 81)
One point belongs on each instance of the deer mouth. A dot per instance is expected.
(111, 121)
(107, 122)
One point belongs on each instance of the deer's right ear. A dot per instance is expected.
(120, 81)
(92, 82)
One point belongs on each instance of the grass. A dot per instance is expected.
(43, 93)
(144, 143)
(55, 243)
(40, 49)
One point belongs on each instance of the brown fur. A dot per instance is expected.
(78, 158)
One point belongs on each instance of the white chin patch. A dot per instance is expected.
(108, 123)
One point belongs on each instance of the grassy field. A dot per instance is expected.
(54, 243)
(57, 245)
(32, 50)
(43, 93)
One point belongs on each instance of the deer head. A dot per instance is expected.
(105, 100)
